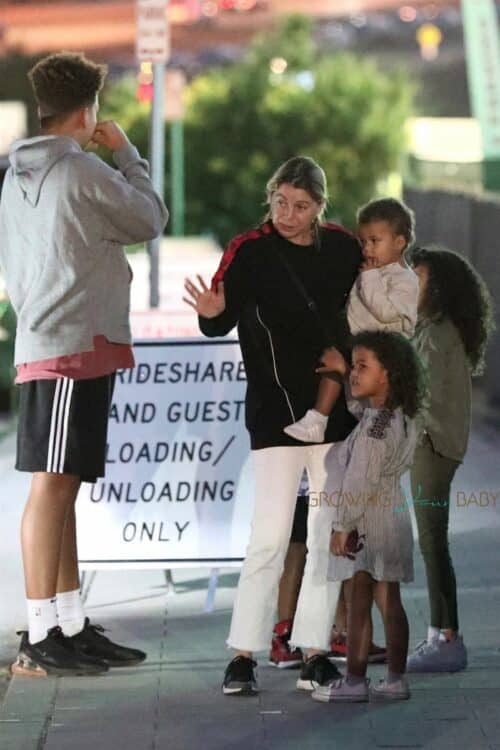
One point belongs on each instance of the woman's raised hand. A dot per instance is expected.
(207, 303)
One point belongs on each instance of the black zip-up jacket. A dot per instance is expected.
(281, 338)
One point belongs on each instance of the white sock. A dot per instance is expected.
(433, 634)
(442, 637)
(318, 416)
(42, 616)
(70, 612)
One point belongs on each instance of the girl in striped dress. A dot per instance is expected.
(372, 542)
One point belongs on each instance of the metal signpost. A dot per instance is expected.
(174, 114)
(153, 45)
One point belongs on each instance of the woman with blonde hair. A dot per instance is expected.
(284, 285)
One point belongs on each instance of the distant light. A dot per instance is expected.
(209, 8)
(358, 20)
(408, 13)
(429, 36)
(227, 4)
(145, 92)
(179, 14)
(431, 11)
(145, 77)
(278, 65)
(446, 139)
(245, 4)
(306, 80)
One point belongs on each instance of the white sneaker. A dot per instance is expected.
(310, 429)
(393, 691)
(342, 691)
(438, 655)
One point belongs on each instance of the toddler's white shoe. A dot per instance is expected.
(310, 429)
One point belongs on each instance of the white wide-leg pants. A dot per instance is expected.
(277, 476)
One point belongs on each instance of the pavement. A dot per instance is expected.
(173, 700)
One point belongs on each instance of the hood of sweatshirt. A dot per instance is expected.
(32, 159)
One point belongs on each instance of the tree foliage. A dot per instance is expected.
(243, 121)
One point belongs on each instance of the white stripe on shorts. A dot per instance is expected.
(59, 425)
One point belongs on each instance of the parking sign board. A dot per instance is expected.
(153, 43)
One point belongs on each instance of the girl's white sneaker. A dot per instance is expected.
(342, 691)
(438, 655)
(396, 691)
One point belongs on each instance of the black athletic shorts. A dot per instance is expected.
(63, 426)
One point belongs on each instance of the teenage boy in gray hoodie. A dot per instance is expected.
(64, 218)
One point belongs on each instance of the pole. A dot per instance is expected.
(177, 170)
(483, 67)
(157, 159)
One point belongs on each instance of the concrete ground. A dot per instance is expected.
(174, 701)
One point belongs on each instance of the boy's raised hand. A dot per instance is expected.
(110, 135)
(207, 303)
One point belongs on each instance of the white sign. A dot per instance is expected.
(178, 488)
(14, 121)
(153, 42)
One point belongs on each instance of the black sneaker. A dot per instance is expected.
(316, 671)
(240, 677)
(54, 655)
(91, 643)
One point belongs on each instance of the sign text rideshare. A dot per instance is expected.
(178, 483)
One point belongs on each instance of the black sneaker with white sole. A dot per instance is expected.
(91, 643)
(54, 655)
(240, 677)
(317, 671)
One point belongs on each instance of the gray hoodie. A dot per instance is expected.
(64, 218)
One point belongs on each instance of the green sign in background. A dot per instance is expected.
(483, 67)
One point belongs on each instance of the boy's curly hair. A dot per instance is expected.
(455, 290)
(396, 213)
(64, 82)
(405, 370)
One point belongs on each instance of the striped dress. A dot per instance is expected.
(364, 486)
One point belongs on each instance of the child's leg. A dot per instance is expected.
(51, 497)
(388, 599)
(340, 625)
(70, 612)
(42, 529)
(328, 393)
(359, 600)
(431, 477)
(291, 580)
(68, 578)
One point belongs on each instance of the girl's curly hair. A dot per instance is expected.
(405, 371)
(455, 290)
